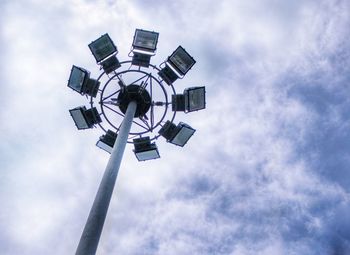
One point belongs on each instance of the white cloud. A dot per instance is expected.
(242, 185)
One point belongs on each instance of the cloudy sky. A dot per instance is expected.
(267, 171)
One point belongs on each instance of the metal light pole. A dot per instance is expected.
(94, 224)
(136, 93)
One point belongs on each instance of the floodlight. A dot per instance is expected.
(80, 81)
(102, 47)
(193, 99)
(178, 135)
(145, 40)
(144, 149)
(143, 47)
(77, 78)
(85, 118)
(168, 75)
(110, 64)
(181, 60)
(107, 141)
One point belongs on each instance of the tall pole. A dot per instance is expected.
(92, 231)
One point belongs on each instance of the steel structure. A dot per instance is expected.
(130, 102)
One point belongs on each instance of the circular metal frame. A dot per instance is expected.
(146, 125)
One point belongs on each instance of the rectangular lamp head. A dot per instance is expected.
(107, 141)
(145, 40)
(183, 134)
(77, 78)
(102, 47)
(194, 98)
(181, 60)
(144, 149)
(78, 115)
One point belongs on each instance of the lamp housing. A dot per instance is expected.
(143, 47)
(145, 41)
(77, 78)
(85, 118)
(80, 81)
(144, 149)
(107, 141)
(102, 48)
(177, 134)
(192, 99)
(181, 60)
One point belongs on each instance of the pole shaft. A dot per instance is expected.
(92, 231)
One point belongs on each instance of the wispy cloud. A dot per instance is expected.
(266, 171)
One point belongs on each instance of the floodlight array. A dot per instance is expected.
(143, 47)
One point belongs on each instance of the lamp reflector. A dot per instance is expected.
(145, 40)
(144, 149)
(107, 141)
(77, 78)
(194, 98)
(181, 60)
(102, 47)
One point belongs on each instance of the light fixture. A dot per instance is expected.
(106, 141)
(105, 52)
(145, 40)
(80, 81)
(143, 47)
(178, 135)
(177, 65)
(181, 60)
(85, 118)
(144, 149)
(102, 48)
(193, 99)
